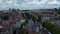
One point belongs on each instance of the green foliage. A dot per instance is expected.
(22, 32)
(27, 15)
(23, 24)
(39, 18)
(58, 12)
(33, 18)
(56, 30)
(6, 17)
(53, 29)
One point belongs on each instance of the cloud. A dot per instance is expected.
(9, 2)
(54, 2)
(0, 1)
(29, 4)
(35, 2)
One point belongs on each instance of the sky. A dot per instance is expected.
(29, 4)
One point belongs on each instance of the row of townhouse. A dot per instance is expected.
(51, 16)
(14, 20)
(48, 16)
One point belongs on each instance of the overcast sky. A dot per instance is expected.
(29, 4)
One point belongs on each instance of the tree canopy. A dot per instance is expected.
(53, 29)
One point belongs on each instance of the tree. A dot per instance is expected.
(39, 18)
(6, 17)
(23, 24)
(58, 13)
(32, 17)
(53, 29)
